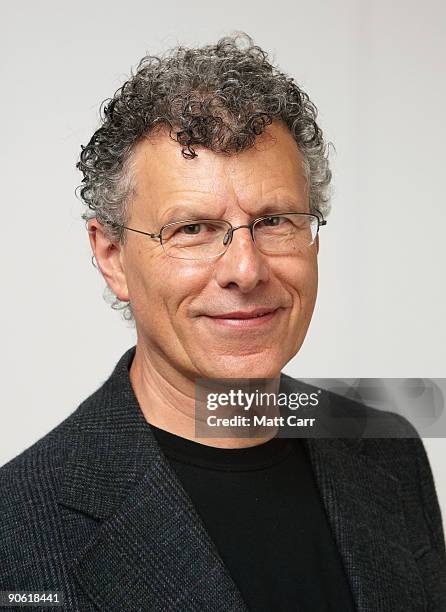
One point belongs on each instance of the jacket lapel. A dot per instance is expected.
(365, 508)
(139, 543)
(143, 545)
(154, 553)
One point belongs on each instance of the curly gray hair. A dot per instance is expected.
(219, 96)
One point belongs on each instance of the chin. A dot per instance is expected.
(244, 366)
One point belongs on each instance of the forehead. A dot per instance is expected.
(271, 170)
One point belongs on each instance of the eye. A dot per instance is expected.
(193, 228)
(272, 220)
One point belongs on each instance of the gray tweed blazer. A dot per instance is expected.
(94, 510)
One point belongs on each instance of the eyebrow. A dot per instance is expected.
(179, 213)
(274, 208)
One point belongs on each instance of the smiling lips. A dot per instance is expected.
(245, 318)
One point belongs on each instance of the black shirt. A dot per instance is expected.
(262, 508)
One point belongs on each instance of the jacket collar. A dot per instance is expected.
(147, 547)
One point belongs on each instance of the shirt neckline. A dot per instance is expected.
(231, 459)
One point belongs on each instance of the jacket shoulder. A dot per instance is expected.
(29, 488)
(353, 417)
(50, 451)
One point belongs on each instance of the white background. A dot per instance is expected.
(375, 71)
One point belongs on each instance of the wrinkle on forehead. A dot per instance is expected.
(272, 169)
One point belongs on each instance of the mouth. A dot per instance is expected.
(245, 319)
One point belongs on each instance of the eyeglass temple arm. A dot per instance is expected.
(155, 236)
(322, 221)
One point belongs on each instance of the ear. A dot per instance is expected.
(109, 258)
(317, 244)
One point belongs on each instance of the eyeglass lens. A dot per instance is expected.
(207, 238)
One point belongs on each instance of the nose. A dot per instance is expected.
(242, 265)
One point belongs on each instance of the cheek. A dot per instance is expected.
(301, 277)
(160, 286)
(303, 282)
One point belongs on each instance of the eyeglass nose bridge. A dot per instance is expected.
(228, 236)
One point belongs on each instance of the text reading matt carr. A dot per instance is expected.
(259, 409)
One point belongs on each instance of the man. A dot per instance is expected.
(207, 185)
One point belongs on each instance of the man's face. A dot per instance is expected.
(176, 302)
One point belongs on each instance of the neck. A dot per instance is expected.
(167, 400)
